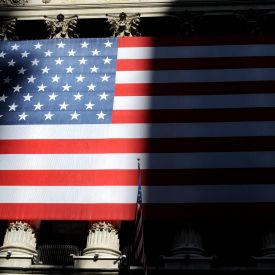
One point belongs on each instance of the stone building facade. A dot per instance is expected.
(238, 239)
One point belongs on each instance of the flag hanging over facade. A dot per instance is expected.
(76, 114)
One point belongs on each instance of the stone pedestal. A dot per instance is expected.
(187, 250)
(19, 246)
(102, 250)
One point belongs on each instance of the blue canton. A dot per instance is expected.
(57, 81)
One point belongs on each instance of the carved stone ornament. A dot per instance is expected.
(61, 27)
(13, 2)
(7, 28)
(124, 25)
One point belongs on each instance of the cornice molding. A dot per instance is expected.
(37, 9)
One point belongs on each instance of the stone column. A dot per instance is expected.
(102, 249)
(266, 258)
(19, 246)
(187, 250)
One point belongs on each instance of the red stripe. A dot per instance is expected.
(195, 63)
(177, 116)
(72, 146)
(164, 89)
(192, 212)
(135, 145)
(206, 40)
(54, 211)
(209, 212)
(129, 177)
(68, 177)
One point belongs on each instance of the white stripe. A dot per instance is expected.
(127, 194)
(196, 51)
(195, 76)
(128, 161)
(171, 130)
(193, 102)
(68, 194)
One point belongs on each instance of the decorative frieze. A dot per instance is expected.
(16, 3)
(61, 26)
(19, 246)
(123, 24)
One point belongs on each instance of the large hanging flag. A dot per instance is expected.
(75, 115)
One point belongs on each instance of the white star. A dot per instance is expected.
(45, 70)
(3, 98)
(103, 96)
(80, 78)
(77, 96)
(89, 105)
(71, 52)
(108, 44)
(82, 61)
(95, 52)
(61, 45)
(91, 87)
(31, 79)
(107, 60)
(14, 47)
(11, 63)
(48, 53)
(21, 71)
(84, 44)
(94, 69)
(75, 115)
(49, 116)
(53, 96)
(55, 78)
(66, 87)
(41, 87)
(7, 80)
(38, 106)
(35, 62)
(101, 115)
(63, 106)
(2, 54)
(23, 116)
(38, 46)
(58, 61)
(105, 77)
(69, 69)
(25, 54)
(13, 107)
(17, 88)
(27, 97)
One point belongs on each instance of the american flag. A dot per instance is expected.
(75, 115)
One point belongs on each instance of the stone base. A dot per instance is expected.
(188, 262)
(265, 262)
(96, 261)
(15, 261)
(16, 256)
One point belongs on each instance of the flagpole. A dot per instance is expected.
(139, 232)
